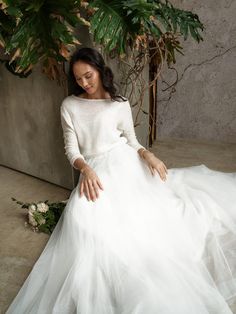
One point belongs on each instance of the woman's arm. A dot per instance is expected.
(154, 163)
(90, 184)
(71, 145)
(127, 126)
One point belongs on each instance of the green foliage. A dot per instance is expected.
(175, 19)
(42, 30)
(117, 24)
(37, 30)
(43, 215)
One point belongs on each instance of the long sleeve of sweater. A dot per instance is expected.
(71, 144)
(126, 125)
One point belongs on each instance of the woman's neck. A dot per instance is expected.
(98, 95)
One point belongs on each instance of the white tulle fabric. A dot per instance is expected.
(144, 247)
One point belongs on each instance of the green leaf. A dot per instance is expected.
(35, 5)
(59, 31)
(14, 11)
(44, 228)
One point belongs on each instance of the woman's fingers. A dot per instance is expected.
(157, 169)
(87, 190)
(96, 186)
(152, 170)
(93, 191)
(81, 190)
(166, 170)
(100, 184)
(162, 172)
(96, 189)
(91, 188)
(90, 185)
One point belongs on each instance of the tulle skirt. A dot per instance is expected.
(145, 246)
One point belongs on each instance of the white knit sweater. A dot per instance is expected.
(93, 126)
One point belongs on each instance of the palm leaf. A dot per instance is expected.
(108, 24)
(41, 29)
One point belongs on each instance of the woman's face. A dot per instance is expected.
(87, 77)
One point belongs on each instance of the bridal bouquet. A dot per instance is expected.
(42, 216)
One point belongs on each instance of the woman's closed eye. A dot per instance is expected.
(87, 77)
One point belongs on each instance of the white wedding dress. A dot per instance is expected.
(145, 246)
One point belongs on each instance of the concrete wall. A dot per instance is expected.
(203, 107)
(30, 127)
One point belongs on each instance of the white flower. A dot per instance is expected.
(32, 208)
(32, 221)
(42, 207)
(42, 221)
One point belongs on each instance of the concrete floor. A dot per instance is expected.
(184, 153)
(20, 247)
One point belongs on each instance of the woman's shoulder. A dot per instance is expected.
(70, 103)
(67, 101)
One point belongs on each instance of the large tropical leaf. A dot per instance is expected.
(174, 19)
(37, 30)
(117, 24)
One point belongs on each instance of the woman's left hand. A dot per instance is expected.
(155, 164)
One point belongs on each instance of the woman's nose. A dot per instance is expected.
(84, 83)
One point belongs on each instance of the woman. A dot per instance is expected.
(130, 241)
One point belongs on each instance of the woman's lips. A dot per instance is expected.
(88, 88)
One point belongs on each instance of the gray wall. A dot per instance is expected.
(204, 104)
(31, 134)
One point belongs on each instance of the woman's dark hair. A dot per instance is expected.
(95, 59)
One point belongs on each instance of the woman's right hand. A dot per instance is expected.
(90, 184)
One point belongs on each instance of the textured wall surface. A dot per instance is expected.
(203, 106)
(30, 127)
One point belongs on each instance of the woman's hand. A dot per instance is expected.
(90, 184)
(155, 164)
